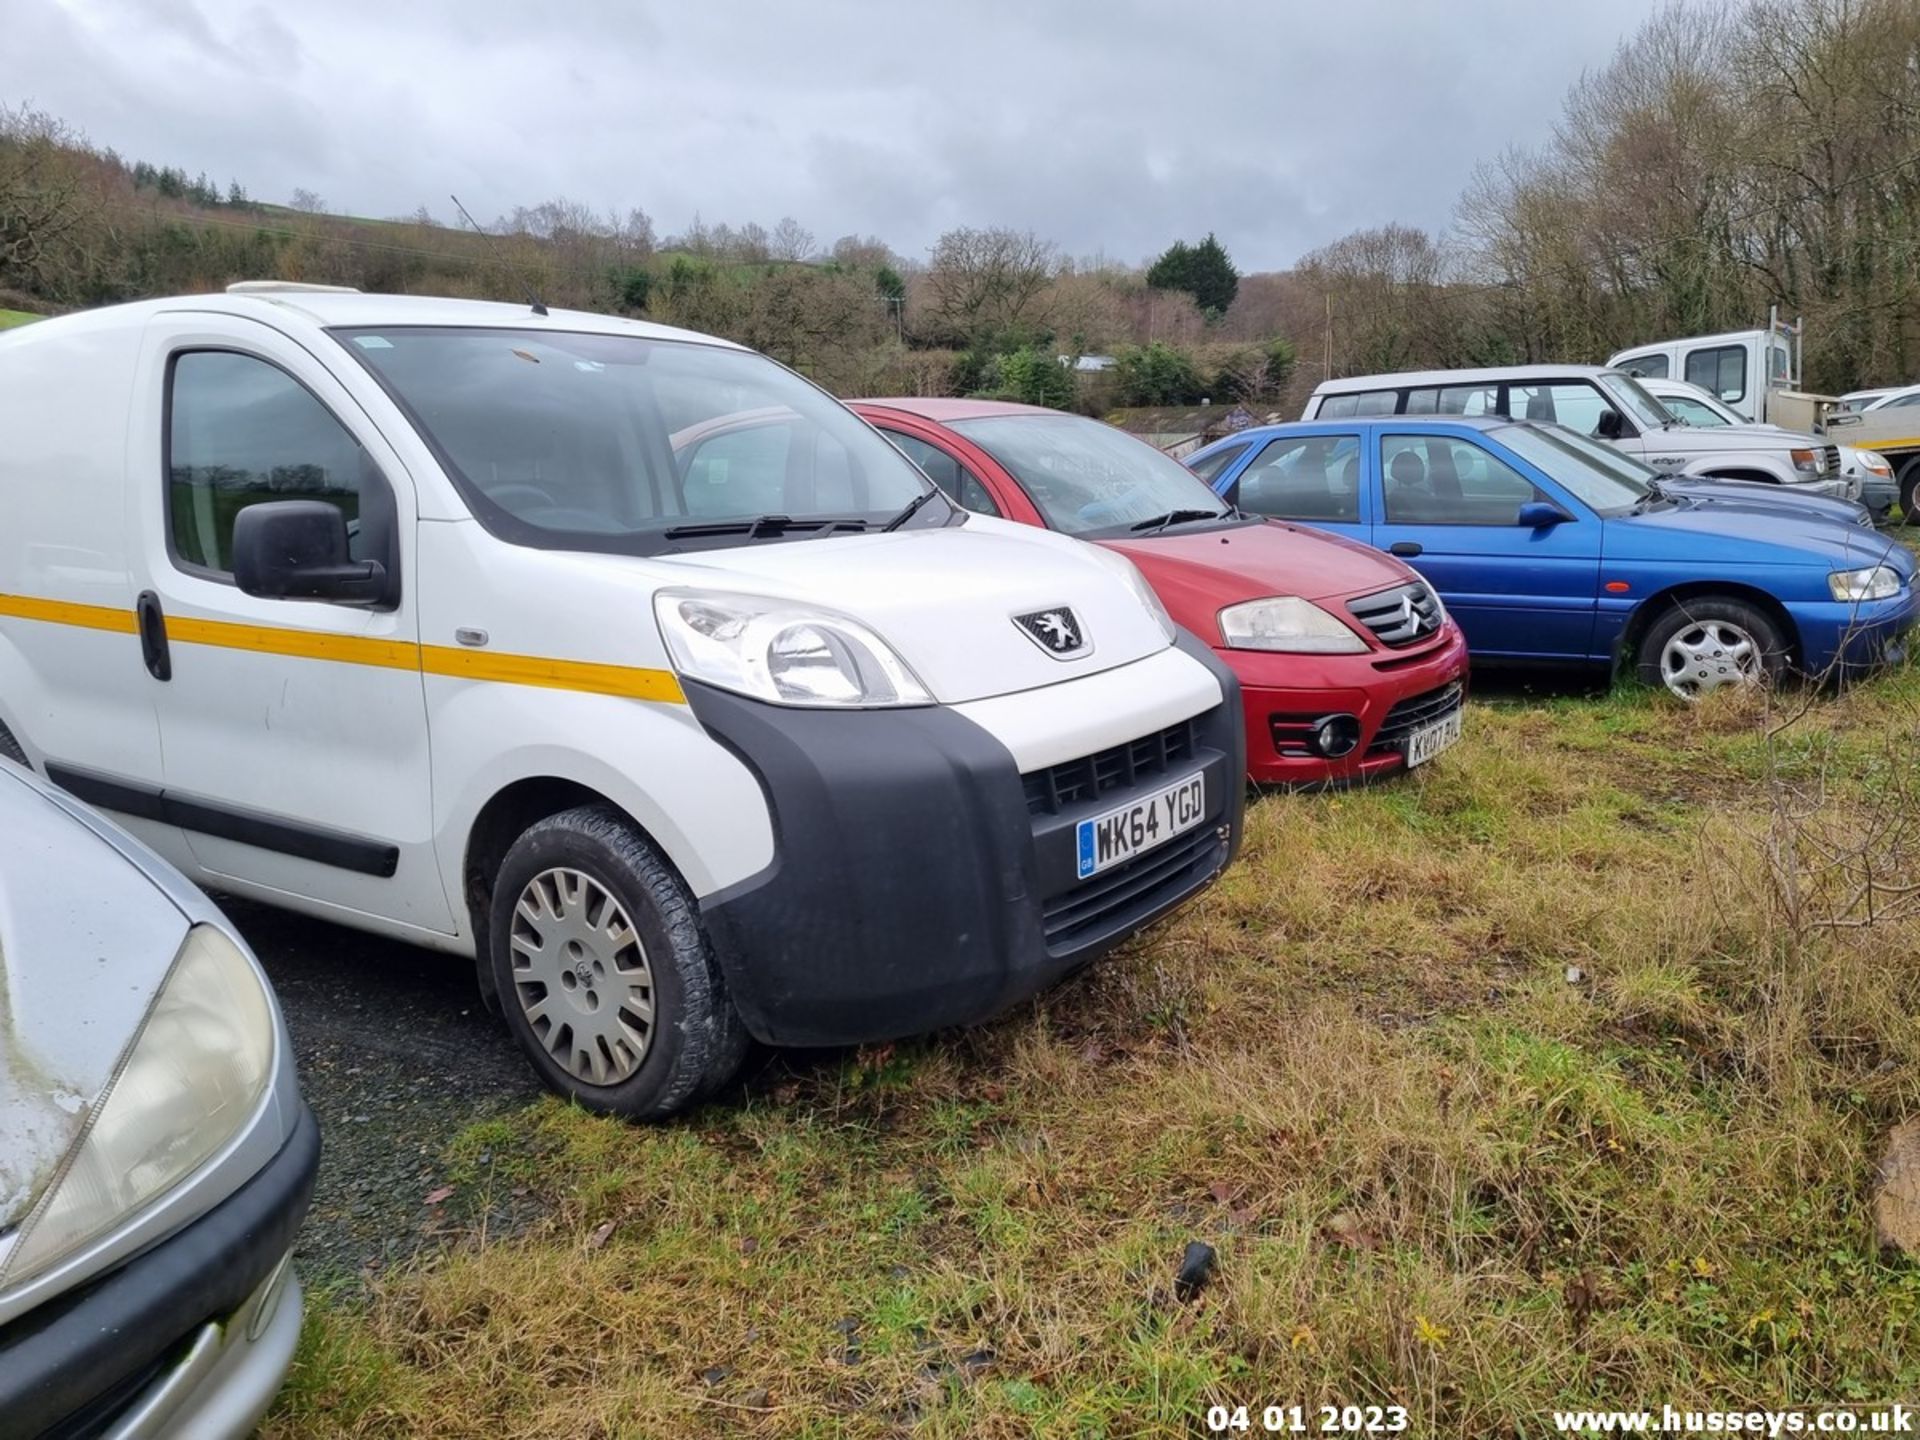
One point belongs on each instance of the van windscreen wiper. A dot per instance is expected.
(761, 525)
(912, 508)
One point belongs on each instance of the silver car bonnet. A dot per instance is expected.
(85, 940)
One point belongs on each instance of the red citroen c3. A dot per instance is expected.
(1348, 662)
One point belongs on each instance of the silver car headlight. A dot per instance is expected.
(1876, 582)
(782, 651)
(1286, 622)
(1874, 463)
(187, 1084)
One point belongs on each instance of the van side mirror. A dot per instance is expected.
(1610, 424)
(297, 550)
(1541, 515)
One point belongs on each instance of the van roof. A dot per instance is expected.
(1409, 379)
(1725, 337)
(329, 309)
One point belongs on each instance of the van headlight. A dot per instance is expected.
(1136, 582)
(188, 1083)
(1876, 582)
(782, 651)
(1286, 622)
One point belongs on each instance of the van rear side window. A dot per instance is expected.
(240, 431)
(1647, 367)
(1361, 402)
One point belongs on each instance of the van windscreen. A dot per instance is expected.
(568, 440)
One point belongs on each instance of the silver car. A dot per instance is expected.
(155, 1155)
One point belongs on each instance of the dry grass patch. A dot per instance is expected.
(1532, 1081)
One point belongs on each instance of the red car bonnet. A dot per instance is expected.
(1198, 573)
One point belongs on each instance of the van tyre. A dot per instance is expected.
(603, 971)
(1709, 643)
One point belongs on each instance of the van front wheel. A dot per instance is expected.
(603, 970)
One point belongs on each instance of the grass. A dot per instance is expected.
(10, 318)
(1536, 1080)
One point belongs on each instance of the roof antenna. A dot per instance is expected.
(533, 298)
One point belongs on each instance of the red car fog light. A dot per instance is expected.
(1337, 735)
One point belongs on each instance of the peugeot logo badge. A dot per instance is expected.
(1056, 631)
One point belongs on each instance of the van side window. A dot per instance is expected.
(1574, 404)
(1307, 477)
(240, 431)
(1437, 480)
(1454, 400)
(1360, 402)
(1720, 371)
(960, 483)
(1647, 367)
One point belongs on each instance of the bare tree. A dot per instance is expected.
(307, 203)
(791, 240)
(45, 200)
(987, 283)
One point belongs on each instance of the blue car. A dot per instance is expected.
(1551, 547)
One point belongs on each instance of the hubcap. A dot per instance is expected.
(1707, 656)
(581, 976)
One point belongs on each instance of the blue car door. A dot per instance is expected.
(1314, 477)
(1449, 505)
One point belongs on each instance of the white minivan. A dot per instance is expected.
(619, 658)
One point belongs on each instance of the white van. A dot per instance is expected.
(619, 658)
(1602, 404)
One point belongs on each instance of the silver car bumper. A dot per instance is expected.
(228, 1377)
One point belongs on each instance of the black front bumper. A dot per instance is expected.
(916, 884)
(66, 1366)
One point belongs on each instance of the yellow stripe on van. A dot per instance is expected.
(66, 612)
(629, 682)
(300, 644)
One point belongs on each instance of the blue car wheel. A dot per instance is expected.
(1709, 643)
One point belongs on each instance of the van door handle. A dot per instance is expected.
(1406, 547)
(153, 636)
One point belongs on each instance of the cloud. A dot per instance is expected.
(1111, 127)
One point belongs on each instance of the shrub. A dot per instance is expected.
(1158, 374)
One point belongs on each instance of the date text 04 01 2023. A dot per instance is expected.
(1307, 1420)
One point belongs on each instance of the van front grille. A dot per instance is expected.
(1073, 782)
(1127, 892)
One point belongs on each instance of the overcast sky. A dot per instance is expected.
(1110, 127)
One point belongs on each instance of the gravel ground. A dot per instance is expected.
(397, 1056)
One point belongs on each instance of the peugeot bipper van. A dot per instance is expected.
(619, 658)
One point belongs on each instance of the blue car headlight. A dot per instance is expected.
(1876, 582)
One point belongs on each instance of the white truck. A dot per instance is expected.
(1892, 430)
(1756, 373)
(618, 658)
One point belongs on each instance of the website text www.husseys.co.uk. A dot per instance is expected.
(1851, 1420)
